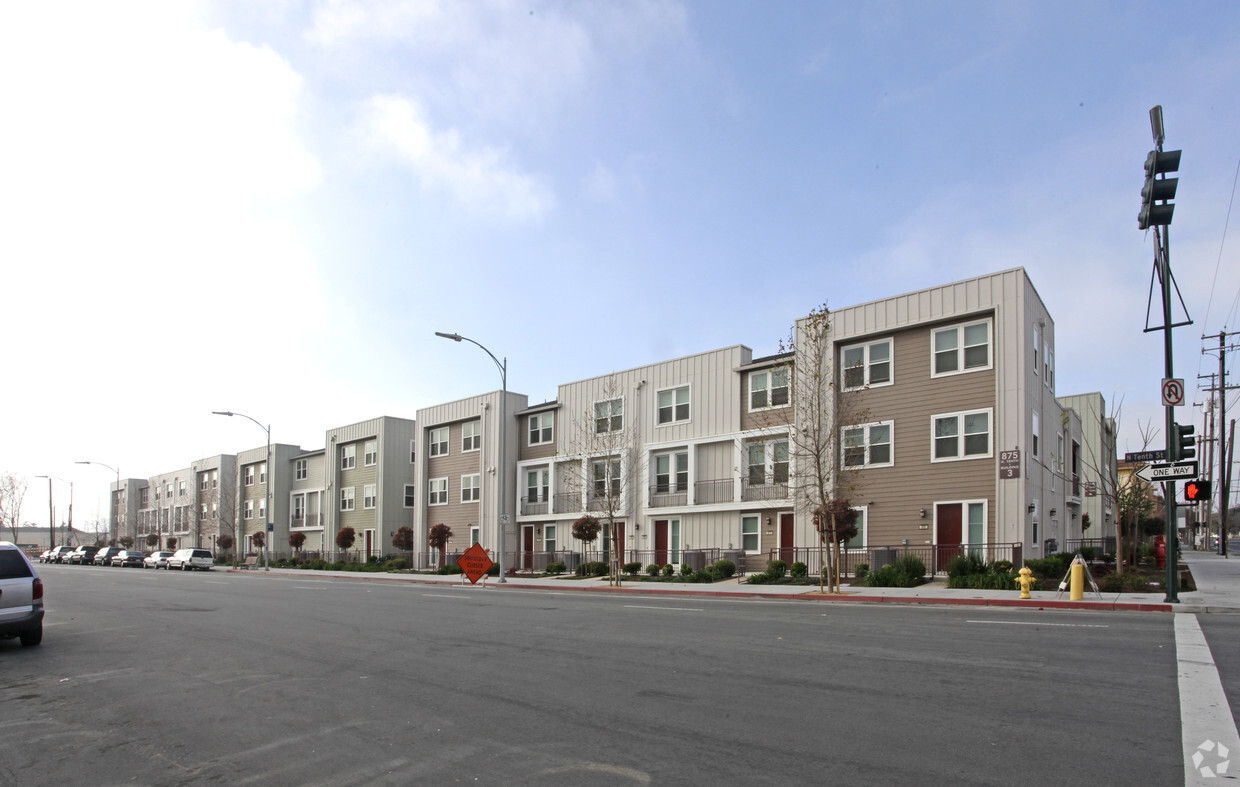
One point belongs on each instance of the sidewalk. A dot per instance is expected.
(1218, 589)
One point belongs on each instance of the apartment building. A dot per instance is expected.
(367, 469)
(458, 471)
(308, 501)
(124, 502)
(1093, 472)
(257, 486)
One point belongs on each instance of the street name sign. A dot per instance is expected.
(1145, 456)
(1168, 472)
(475, 563)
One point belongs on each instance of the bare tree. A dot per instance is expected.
(12, 493)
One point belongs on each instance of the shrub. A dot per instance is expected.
(450, 568)
(762, 578)
(799, 570)
(724, 568)
(776, 569)
(706, 575)
(1089, 553)
(908, 571)
(685, 569)
(556, 568)
(1002, 565)
(668, 570)
(493, 571)
(653, 570)
(596, 568)
(1048, 567)
(912, 566)
(1129, 583)
(994, 578)
(861, 570)
(631, 569)
(965, 565)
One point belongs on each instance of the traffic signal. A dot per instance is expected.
(1181, 445)
(1197, 491)
(1158, 190)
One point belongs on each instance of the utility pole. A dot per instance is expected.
(1219, 389)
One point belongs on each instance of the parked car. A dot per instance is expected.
(84, 555)
(21, 597)
(131, 558)
(189, 559)
(104, 556)
(57, 554)
(157, 560)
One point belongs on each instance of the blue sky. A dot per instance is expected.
(271, 207)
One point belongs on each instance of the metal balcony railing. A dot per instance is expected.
(721, 490)
(663, 495)
(751, 489)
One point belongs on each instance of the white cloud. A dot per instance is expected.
(478, 178)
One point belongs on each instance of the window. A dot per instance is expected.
(606, 478)
(749, 533)
(768, 389)
(868, 445)
(348, 457)
(299, 510)
(867, 365)
(413, 451)
(409, 496)
(977, 523)
(536, 489)
(471, 488)
(145, 497)
(439, 441)
(249, 509)
(262, 509)
(858, 541)
(1059, 454)
(961, 348)
(214, 509)
(437, 492)
(768, 460)
(346, 498)
(215, 478)
(471, 435)
(1037, 433)
(181, 488)
(549, 540)
(961, 435)
(608, 416)
(674, 405)
(541, 430)
(475, 533)
(262, 473)
(371, 455)
(671, 472)
(202, 483)
(757, 464)
(300, 469)
(1050, 368)
(368, 496)
(1037, 348)
(249, 479)
(168, 491)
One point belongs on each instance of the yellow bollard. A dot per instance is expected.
(1025, 580)
(1077, 585)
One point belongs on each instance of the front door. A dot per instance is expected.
(786, 551)
(660, 542)
(948, 536)
(370, 542)
(527, 547)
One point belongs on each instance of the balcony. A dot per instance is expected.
(535, 505)
(567, 502)
(664, 496)
(722, 490)
(753, 490)
(306, 520)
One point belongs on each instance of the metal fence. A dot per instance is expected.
(935, 557)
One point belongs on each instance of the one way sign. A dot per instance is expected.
(1168, 472)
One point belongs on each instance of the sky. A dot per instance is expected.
(271, 206)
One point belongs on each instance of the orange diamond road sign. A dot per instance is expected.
(475, 563)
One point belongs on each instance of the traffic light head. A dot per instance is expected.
(1158, 190)
(1181, 445)
(1197, 491)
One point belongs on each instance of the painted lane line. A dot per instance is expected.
(666, 609)
(433, 595)
(1029, 623)
(1208, 729)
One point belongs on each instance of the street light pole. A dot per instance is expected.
(503, 439)
(271, 475)
(118, 495)
(51, 517)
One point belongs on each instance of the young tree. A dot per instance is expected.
(12, 493)
(297, 540)
(1130, 498)
(259, 539)
(152, 540)
(402, 539)
(225, 542)
(172, 543)
(585, 530)
(126, 541)
(345, 538)
(438, 538)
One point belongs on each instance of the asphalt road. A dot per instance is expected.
(151, 677)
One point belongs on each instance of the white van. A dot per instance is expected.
(188, 559)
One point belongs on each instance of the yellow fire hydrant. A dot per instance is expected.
(1025, 580)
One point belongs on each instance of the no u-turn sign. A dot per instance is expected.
(1173, 391)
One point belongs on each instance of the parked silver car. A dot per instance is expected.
(189, 559)
(21, 597)
(157, 560)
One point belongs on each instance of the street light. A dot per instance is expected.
(118, 493)
(503, 438)
(51, 519)
(271, 475)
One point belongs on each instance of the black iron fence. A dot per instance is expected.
(935, 557)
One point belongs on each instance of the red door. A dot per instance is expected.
(527, 550)
(947, 523)
(786, 551)
(660, 542)
(620, 542)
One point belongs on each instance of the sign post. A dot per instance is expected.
(475, 563)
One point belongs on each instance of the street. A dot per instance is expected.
(169, 678)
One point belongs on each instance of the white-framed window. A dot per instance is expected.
(1037, 349)
(549, 539)
(437, 492)
(1036, 422)
(768, 389)
(471, 436)
(370, 453)
(867, 364)
(413, 451)
(203, 482)
(673, 404)
(262, 508)
(767, 463)
(348, 456)
(537, 488)
(181, 488)
(671, 472)
(249, 509)
(541, 428)
(248, 479)
(439, 441)
(262, 473)
(202, 511)
(858, 541)
(409, 496)
(301, 469)
(368, 496)
(1059, 454)
(1050, 368)
(606, 474)
(215, 478)
(869, 445)
(214, 509)
(471, 488)
(961, 348)
(168, 491)
(963, 435)
(608, 416)
(750, 540)
(299, 510)
(346, 498)
(475, 533)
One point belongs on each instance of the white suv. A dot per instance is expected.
(188, 559)
(21, 597)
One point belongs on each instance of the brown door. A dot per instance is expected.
(620, 542)
(370, 543)
(786, 551)
(527, 549)
(660, 542)
(947, 524)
